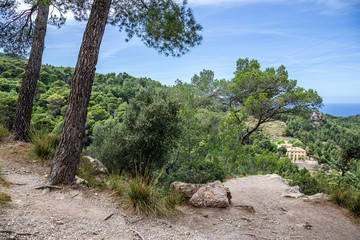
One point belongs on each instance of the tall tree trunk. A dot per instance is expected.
(64, 164)
(31, 76)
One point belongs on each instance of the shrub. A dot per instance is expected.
(147, 135)
(200, 171)
(308, 184)
(348, 198)
(44, 144)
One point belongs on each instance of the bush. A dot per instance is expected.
(347, 198)
(308, 184)
(147, 135)
(44, 144)
(200, 171)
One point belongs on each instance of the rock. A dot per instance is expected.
(293, 192)
(319, 196)
(187, 189)
(276, 176)
(97, 165)
(80, 181)
(228, 193)
(211, 195)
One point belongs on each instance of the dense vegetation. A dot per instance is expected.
(200, 131)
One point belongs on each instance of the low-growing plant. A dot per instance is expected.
(144, 197)
(86, 171)
(4, 132)
(349, 198)
(4, 199)
(116, 183)
(44, 144)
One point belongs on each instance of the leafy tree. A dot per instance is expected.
(265, 94)
(145, 138)
(18, 32)
(164, 25)
(350, 155)
(282, 149)
(55, 103)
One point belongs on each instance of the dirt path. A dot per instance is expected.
(78, 213)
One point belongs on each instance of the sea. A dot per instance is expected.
(341, 109)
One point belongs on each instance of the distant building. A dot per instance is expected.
(296, 153)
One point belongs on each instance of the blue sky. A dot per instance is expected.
(318, 41)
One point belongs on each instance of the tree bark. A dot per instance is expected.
(31, 76)
(64, 164)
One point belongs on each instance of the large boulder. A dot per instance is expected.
(187, 189)
(211, 195)
(97, 165)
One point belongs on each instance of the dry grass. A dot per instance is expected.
(4, 199)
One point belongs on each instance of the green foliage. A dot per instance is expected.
(2, 179)
(44, 144)
(296, 142)
(8, 101)
(348, 198)
(43, 121)
(281, 141)
(55, 103)
(4, 132)
(151, 126)
(282, 149)
(165, 25)
(87, 172)
(116, 183)
(252, 93)
(195, 172)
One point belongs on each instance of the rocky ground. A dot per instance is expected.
(258, 211)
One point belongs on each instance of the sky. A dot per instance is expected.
(318, 41)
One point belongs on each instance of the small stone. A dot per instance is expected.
(187, 233)
(221, 219)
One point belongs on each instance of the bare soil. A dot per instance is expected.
(258, 211)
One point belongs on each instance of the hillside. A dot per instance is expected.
(195, 132)
(81, 213)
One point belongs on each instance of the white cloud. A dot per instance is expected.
(328, 6)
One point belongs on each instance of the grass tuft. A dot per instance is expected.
(143, 196)
(4, 132)
(146, 197)
(4, 199)
(44, 144)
